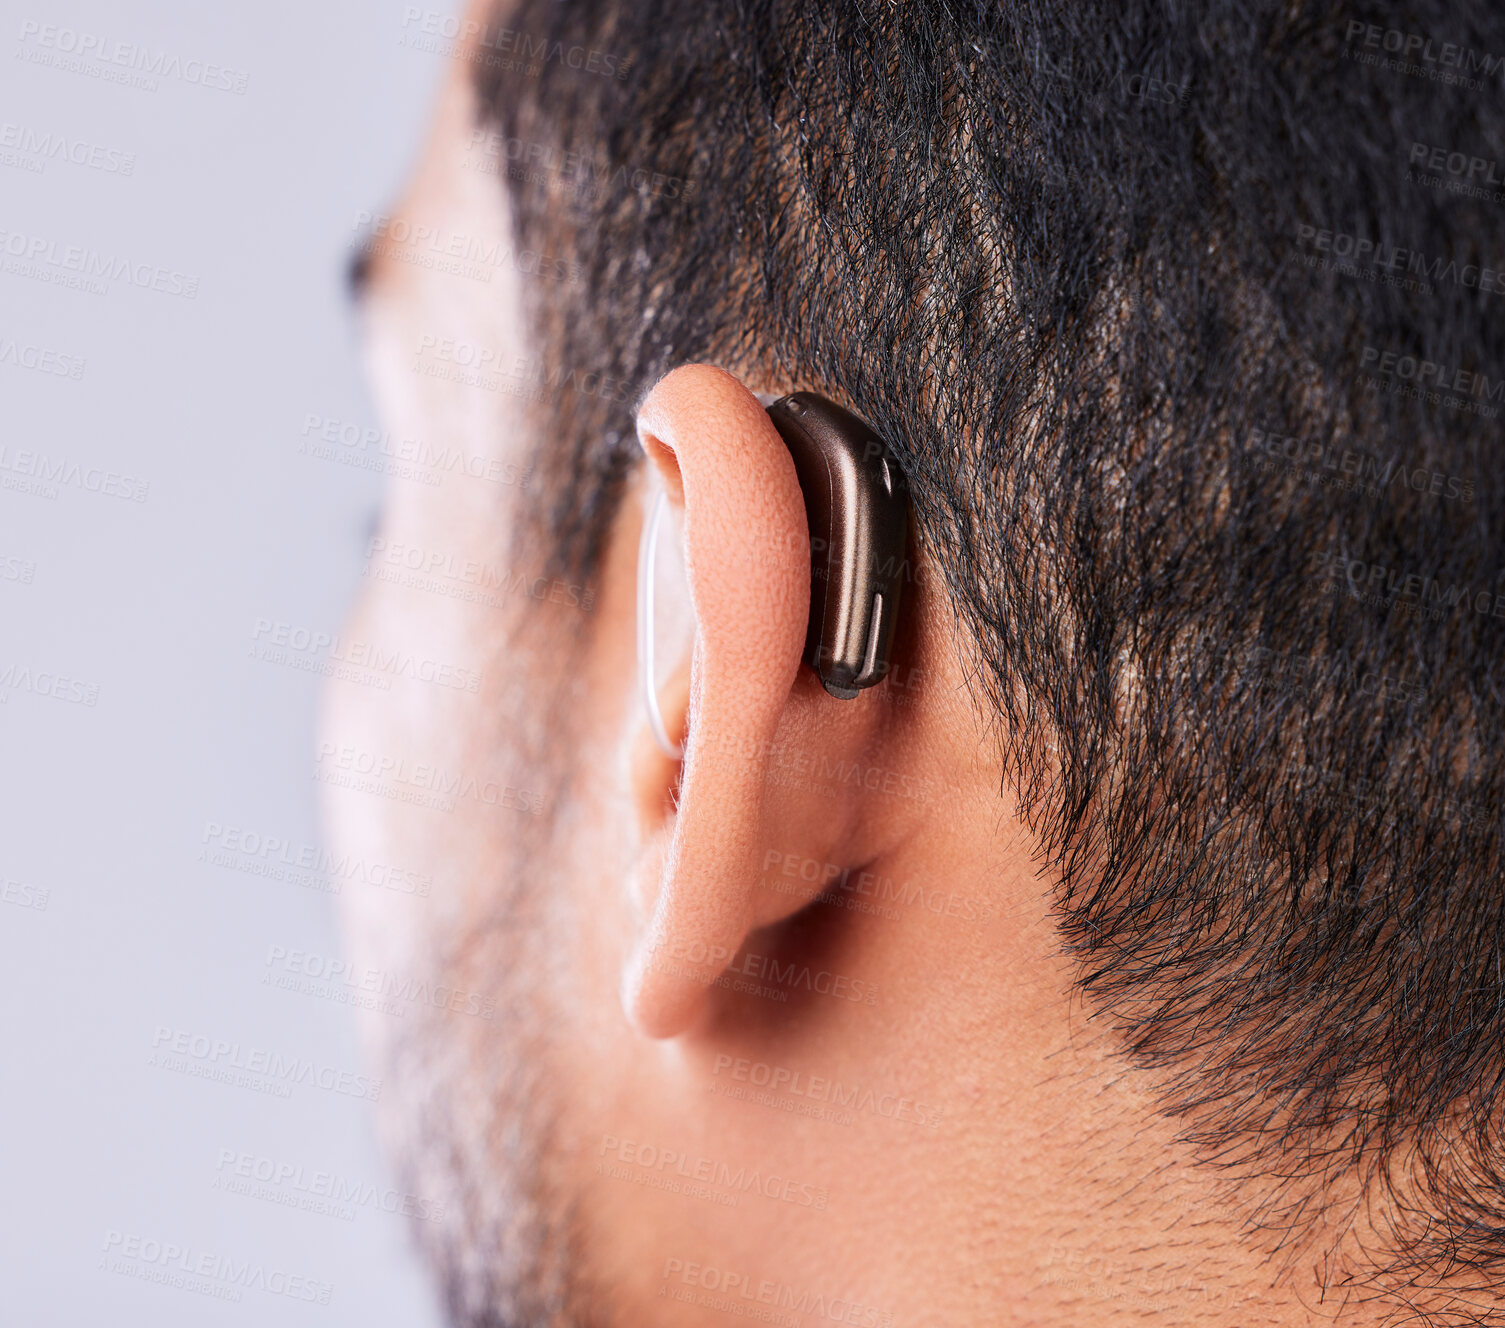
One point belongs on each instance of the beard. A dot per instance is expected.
(472, 1109)
(471, 1122)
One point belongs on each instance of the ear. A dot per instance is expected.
(746, 706)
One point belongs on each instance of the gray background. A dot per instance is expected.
(154, 603)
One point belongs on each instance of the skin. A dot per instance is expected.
(1027, 1177)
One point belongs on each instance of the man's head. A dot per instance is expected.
(1137, 945)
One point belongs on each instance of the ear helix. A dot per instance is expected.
(857, 509)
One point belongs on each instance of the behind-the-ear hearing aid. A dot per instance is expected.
(857, 507)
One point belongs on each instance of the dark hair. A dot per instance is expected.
(1184, 323)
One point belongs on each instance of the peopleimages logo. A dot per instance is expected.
(481, 365)
(1461, 164)
(40, 359)
(32, 149)
(328, 974)
(1417, 53)
(834, 880)
(259, 1177)
(1442, 384)
(320, 652)
(781, 977)
(1359, 469)
(201, 1056)
(42, 474)
(417, 782)
(484, 42)
(1357, 255)
(1396, 587)
(1261, 668)
(93, 53)
(458, 252)
(134, 1255)
(82, 268)
(23, 894)
(699, 1176)
(46, 682)
(23, 570)
(586, 173)
(819, 1088)
(281, 858)
(762, 1299)
(442, 572)
(370, 448)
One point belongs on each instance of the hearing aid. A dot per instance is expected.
(857, 510)
(857, 506)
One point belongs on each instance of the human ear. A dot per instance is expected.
(740, 699)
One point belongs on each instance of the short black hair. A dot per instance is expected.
(1184, 322)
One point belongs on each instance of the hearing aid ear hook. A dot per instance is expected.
(647, 559)
(857, 508)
